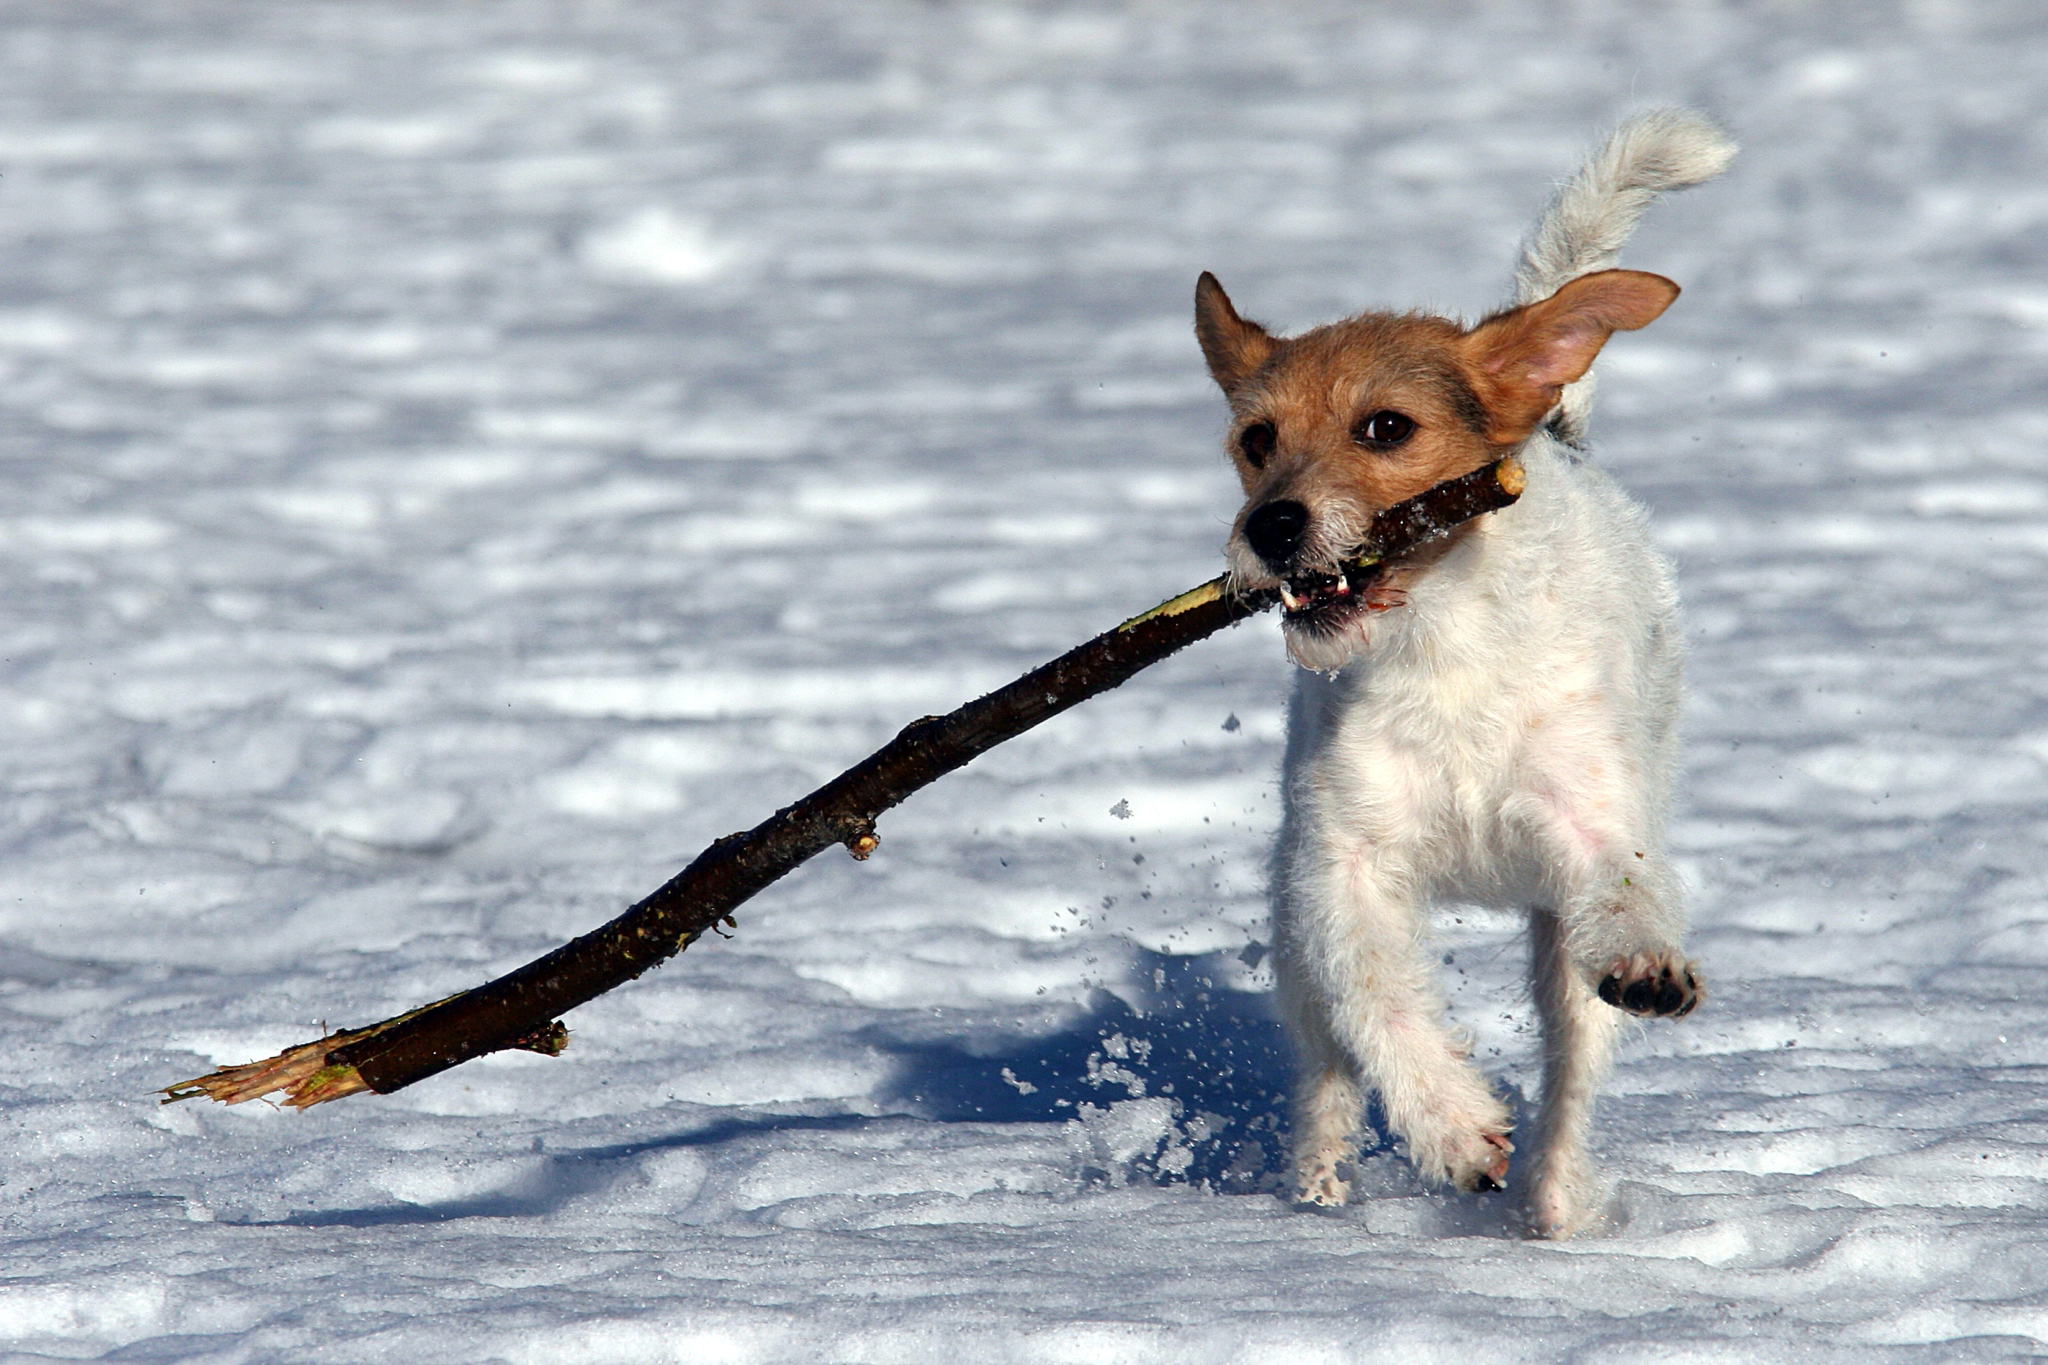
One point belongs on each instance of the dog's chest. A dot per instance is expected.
(1446, 726)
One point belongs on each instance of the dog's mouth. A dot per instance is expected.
(1323, 601)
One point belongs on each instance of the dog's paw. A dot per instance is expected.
(1556, 1215)
(1550, 1221)
(1322, 1188)
(1655, 985)
(1479, 1162)
(1563, 1198)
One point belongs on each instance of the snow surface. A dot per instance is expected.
(461, 458)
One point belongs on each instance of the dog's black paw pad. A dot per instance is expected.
(1653, 986)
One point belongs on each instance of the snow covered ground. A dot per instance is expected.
(460, 458)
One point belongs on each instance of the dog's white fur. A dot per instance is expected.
(1507, 738)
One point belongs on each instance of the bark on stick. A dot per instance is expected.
(519, 1010)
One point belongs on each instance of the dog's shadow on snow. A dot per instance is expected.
(1176, 1080)
(1206, 1066)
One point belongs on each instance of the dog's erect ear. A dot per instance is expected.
(1522, 359)
(1233, 347)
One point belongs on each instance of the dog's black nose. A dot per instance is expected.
(1274, 532)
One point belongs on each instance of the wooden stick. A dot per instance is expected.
(518, 1010)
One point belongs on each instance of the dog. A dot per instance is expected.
(1492, 722)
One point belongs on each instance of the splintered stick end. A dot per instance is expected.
(303, 1073)
(306, 1077)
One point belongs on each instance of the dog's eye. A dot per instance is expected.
(1383, 428)
(1256, 444)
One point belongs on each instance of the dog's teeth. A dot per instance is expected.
(1288, 598)
(1343, 589)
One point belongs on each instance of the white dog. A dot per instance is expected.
(1492, 723)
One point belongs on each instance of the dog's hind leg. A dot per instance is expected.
(1579, 1031)
(1329, 1105)
(1606, 945)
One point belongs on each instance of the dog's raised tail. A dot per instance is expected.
(1596, 211)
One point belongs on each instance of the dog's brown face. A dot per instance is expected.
(1344, 421)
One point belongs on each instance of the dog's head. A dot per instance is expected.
(1339, 423)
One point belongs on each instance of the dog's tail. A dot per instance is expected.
(1596, 212)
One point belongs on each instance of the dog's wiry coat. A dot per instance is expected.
(1495, 724)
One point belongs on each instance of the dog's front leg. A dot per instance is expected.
(1363, 1001)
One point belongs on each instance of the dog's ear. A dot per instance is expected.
(1233, 347)
(1522, 359)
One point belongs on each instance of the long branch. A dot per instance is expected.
(519, 1010)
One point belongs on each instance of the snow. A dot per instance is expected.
(460, 459)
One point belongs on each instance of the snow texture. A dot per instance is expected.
(460, 458)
